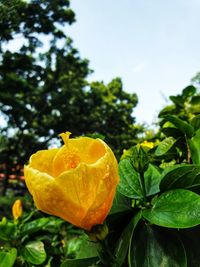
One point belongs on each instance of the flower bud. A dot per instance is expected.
(17, 209)
(139, 159)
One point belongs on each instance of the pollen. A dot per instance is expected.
(71, 160)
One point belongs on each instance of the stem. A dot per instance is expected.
(188, 151)
(143, 186)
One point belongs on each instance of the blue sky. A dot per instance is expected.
(153, 45)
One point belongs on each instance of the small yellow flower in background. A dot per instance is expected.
(126, 153)
(76, 182)
(17, 209)
(147, 144)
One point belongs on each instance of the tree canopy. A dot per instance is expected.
(43, 84)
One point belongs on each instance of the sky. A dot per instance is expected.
(153, 45)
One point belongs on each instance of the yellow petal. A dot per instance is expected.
(42, 160)
(75, 151)
(49, 197)
(77, 182)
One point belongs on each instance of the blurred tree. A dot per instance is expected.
(111, 114)
(185, 106)
(43, 86)
(196, 80)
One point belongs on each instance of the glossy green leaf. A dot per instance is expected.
(181, 176)
(194, 144)
(165, 146)
(34, 252)
(34, 226)
(178, 208)
(120, 204)
(53, 225)
(7, 258)
(121, 249)
(129, 184)
(152, 180)
(155, 246)
(183, 126)
(90, 262)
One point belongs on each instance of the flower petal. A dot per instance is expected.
(42, 160)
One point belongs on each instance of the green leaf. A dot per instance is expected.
(155, 246)
(7, 230)
(171, 132)
(190, 239)
(120, 204)
(80, 262)
(182, 176)
(34, 252)
(195, 104)
(34, 226)
(87, 249)
(168, 109)
(177, 208)
(177, 100)
(53, 225)
(194, 145)
(129, 184)
(165, 146)
(183, 126)
(195, 100)
(7, 259)
(188, 91)
(122, 246)
(152, 180)
(195, 122)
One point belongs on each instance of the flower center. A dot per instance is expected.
(71, 160)
(67, 158)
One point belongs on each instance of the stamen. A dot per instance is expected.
(65, 137)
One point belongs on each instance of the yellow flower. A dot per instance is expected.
(76, 182)
(147, 144)
(17, 209)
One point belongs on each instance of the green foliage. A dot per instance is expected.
(178, 208)
(154, 246)
(123, 242)
(184, 106)
(130, 183)
(80, 263)
(34, 252)
(7, 258)
(35, 240)
(181, 176)
(194, 144)
(155, 217)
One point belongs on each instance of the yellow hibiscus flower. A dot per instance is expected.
(76, 182)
